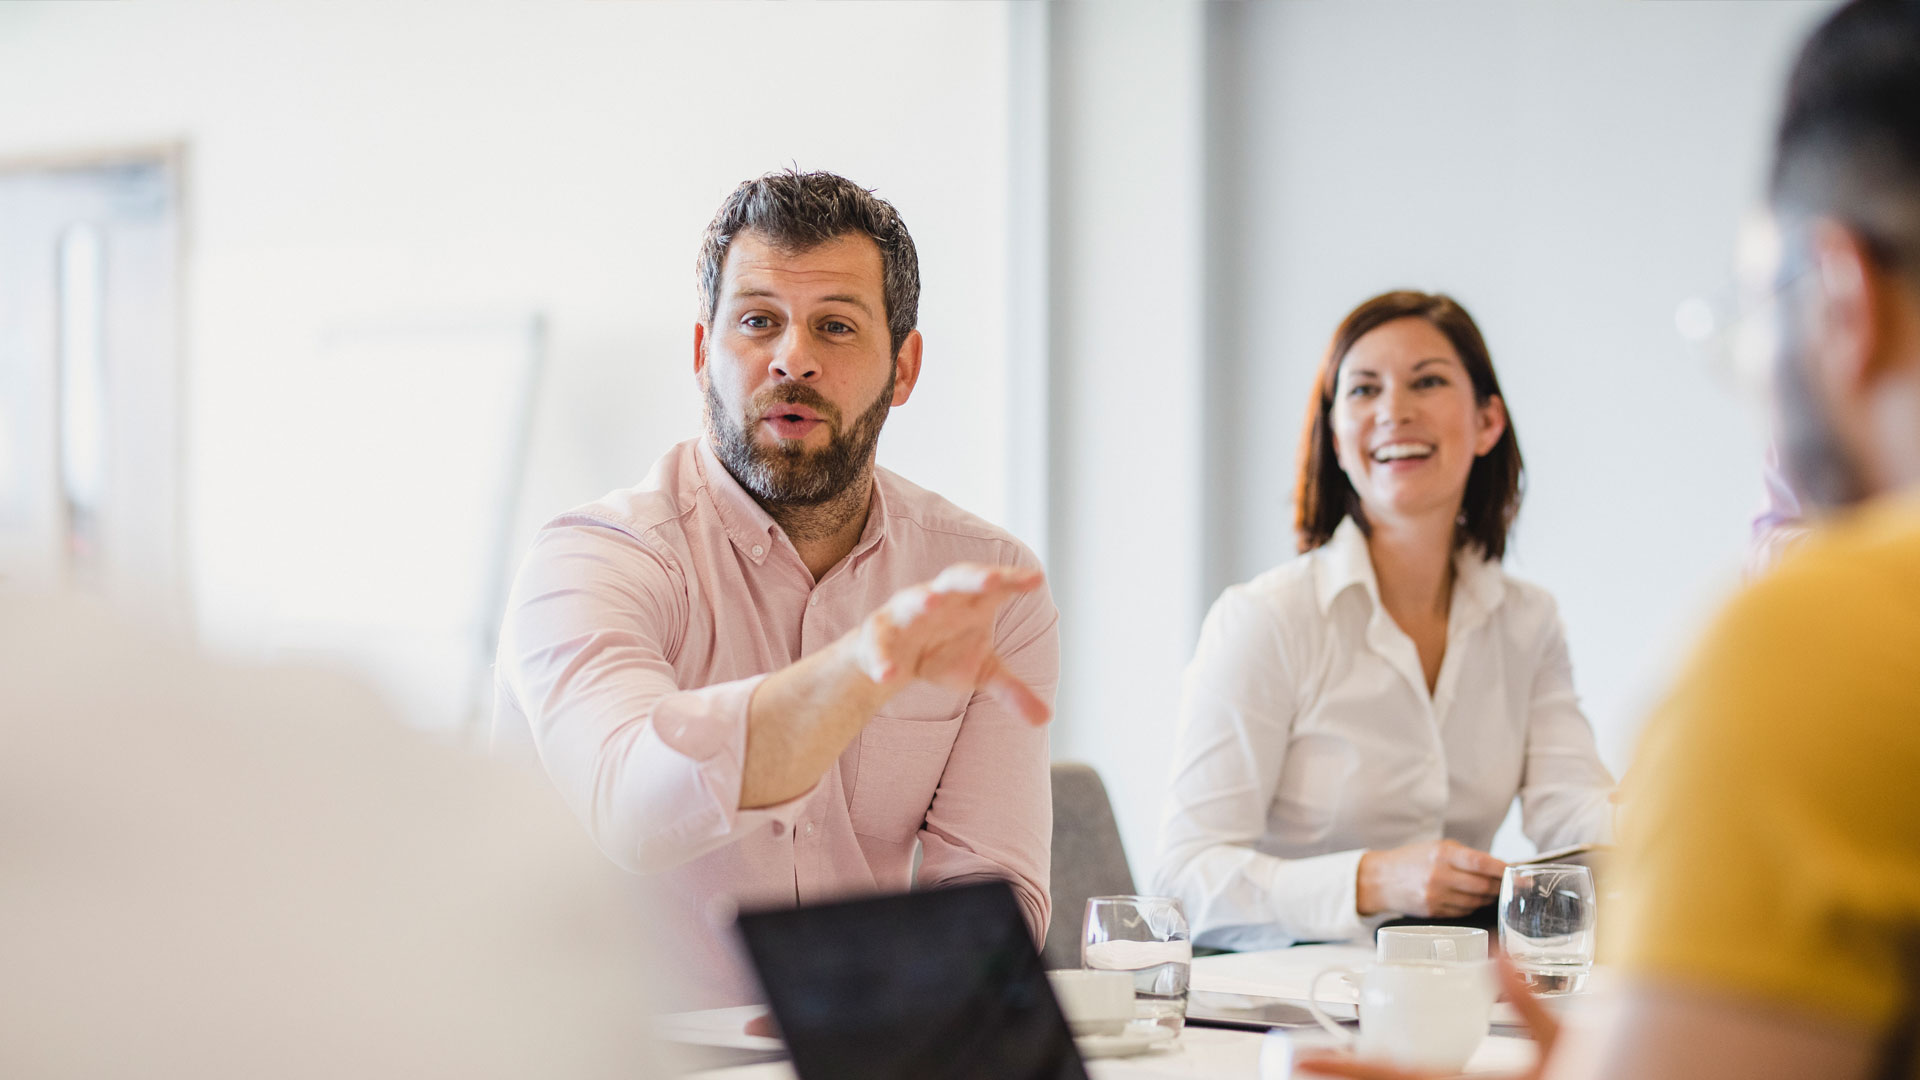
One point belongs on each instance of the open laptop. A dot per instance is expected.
(939, 984)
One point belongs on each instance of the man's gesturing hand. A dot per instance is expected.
(943, 632)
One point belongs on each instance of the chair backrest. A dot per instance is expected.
(1088, 859)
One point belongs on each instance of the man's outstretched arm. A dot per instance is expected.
(660, 774)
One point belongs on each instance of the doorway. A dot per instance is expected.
(91, 377)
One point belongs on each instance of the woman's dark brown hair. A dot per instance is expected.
(1322, 495)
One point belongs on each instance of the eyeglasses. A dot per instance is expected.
(1735, 329)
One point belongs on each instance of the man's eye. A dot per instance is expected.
(756, 322)
(835, 326)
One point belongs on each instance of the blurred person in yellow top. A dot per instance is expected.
(1769, 919)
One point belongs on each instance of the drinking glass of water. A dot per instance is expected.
(1546, 925)
(1146, 936)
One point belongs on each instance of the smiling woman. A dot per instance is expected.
(1357, 722)
(1446, 349)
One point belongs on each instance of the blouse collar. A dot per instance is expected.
(1344, 562)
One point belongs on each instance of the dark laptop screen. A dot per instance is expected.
(944, 983)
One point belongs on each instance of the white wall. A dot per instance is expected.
(1126, 272)
(357, 161)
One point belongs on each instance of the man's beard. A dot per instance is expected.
(1812, 455)
(778, 476)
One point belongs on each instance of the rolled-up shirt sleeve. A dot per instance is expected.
(652, 768)
(1564, 792)
(1236, 716)
(992, 815)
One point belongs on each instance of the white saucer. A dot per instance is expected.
(1135, 1040)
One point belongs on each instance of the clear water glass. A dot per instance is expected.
(1546, 925)
(1146, 936)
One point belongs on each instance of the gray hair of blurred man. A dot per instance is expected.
(210, 870)
(1848, 149)
(795, 211)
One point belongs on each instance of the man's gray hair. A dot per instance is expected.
(795, 211)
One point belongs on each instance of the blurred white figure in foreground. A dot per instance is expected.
(210, 871)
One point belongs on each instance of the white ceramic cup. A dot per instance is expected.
(1422, 1015)
(1399, 944)
(1094, 1002)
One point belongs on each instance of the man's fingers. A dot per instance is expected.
(980, 579)
(1008, 690)
(961, 586)
(908, 604)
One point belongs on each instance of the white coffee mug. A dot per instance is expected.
(1094, 1002)
(1401, 943)
(1424, 1015)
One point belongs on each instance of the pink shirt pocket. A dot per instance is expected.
(901, 762)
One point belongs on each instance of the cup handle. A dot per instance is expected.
(1320, 1015)
(1443, 949)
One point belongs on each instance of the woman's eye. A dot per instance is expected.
(1360, 391)
(1431, 380)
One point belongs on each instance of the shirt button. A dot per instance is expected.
(813, 601)
(758, 551)
(779, 828)
(809, 828)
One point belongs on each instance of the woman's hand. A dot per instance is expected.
(1434, 879)
(1540, 1024)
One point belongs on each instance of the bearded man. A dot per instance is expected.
(771, 671)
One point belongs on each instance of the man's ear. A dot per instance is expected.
(1850, 315)
(700, 354)
(906, 368)
(1493, 425)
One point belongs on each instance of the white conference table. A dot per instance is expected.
(1200, 1051)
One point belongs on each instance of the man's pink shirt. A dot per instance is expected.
(639, 627)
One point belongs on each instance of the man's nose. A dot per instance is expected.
(792, 359)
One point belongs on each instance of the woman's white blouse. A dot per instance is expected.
(1308, 737)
